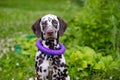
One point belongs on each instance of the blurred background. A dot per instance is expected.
(92, 38)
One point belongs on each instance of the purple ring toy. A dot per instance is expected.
(50, 51)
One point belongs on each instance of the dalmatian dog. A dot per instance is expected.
(50, 67)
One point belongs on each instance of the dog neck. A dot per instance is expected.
(51, 44)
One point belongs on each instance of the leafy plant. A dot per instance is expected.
(97, 25)
(26, 45)
(16, 67)
(91, 23)
(86, 63)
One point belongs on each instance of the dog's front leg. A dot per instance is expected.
(41, 66)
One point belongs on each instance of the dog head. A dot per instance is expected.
(49, 27)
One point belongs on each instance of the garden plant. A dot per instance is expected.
(92, 38)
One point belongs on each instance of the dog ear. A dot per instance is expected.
(63, 26)
(36, 28)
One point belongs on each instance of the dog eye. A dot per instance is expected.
(44, 25)
(55, 23)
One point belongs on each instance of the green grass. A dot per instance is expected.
(17, 67)
(16, 19)
(84, 63)
(18, 16)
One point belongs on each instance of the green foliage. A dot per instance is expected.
(86, 63)
(18, 16)
(26, 45)
(83, 62)
(16, 67)
(77, 2)
(98, 24)
(92, 37)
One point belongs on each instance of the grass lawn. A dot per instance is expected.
(16, 18)
(86, 28)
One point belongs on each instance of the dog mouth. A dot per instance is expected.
(50, 38)
(50, 35)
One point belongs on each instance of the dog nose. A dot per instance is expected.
(50, 33)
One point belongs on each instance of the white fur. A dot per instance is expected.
(49, 19)
(45, 66)
(43, 42)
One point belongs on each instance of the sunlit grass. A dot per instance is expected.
(16, 19)
(19, 16)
